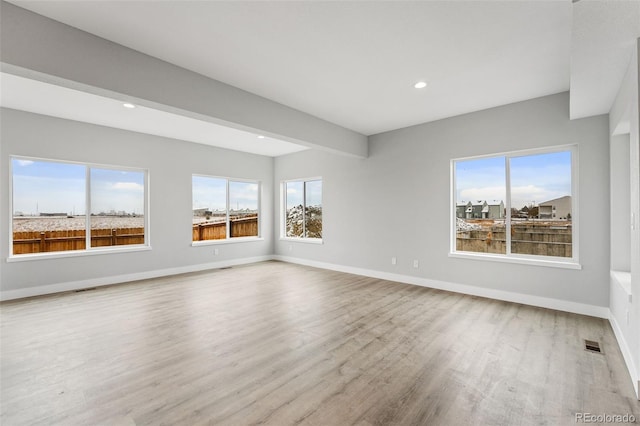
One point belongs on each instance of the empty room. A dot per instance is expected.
(319, 212)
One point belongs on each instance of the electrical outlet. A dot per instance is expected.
(628, 317)
(394, 260)
(290, 247)
(416, 264)
(216, 252)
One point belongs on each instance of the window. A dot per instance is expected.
(303, 209)
(516, 205)
(64, 207)
(224, 209)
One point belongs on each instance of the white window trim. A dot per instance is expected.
(88, 251)
(75, 253)
(548, 261)
(228, 239)
(303, 240)
(283, 210)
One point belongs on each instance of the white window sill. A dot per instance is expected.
(76, 253)
(623, 278)
(226, 241)
(302, 240)
(550, 263)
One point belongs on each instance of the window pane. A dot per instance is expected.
(243, 209)
(313, 212)
(48, 206)
(295, 209)
(209, 208)
(479, 204)
(117, 207)
(541, 201)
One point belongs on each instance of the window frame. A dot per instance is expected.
(228, 239)
(283, 210)
(88, 250)
(527, 259)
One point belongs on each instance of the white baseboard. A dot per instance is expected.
(626, 354)
(116, 279)
(525, 299)
(544, 302)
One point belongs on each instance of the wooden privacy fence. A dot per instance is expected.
(240, 227)
(525, 239)
(25, 242)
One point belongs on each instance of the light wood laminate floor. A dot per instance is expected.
(275, 343)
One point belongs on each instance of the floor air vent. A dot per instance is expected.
(592, 346)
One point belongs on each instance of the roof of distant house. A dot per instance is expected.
(554, 200)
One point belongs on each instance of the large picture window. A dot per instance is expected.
(516, 205)
(224, 208)
(64, 207)
(303, 209)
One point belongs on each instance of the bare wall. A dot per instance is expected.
(396, 202)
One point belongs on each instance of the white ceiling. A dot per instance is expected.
(603, 38)
(48, 99)
(354, 63)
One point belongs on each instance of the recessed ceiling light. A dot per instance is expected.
(128, 105)
(420, 85)
(260, 137)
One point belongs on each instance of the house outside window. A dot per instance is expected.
(495, 214)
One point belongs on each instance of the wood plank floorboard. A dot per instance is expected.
(281, 344)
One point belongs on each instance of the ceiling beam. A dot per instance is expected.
(38, 47)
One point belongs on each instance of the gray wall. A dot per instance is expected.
(170, 163)
(620, 153)
(396, 202)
